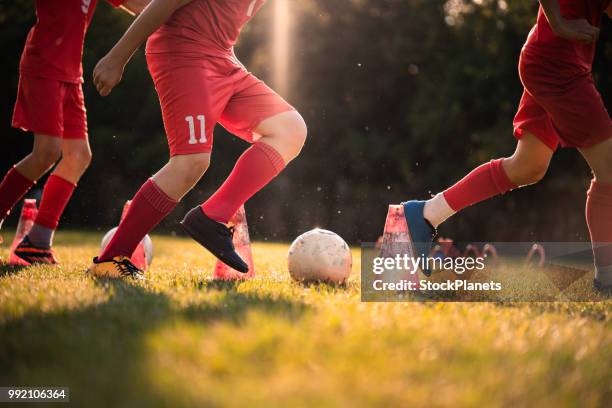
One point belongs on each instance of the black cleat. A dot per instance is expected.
(215, 237)
(34, 255)
(601, 289)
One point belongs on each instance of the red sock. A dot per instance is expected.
(253, 170)
(599, 220)
(55, 197)
(149, 206)
(12, 188)
(486, 181)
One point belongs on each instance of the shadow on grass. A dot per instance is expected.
(99, 351)
(218, 284)
(6, 269)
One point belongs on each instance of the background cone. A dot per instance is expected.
(26, 220)
(242, 242)
(396, 241)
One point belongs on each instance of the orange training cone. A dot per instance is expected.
(26, 220)
(396, 241)
(242, 242)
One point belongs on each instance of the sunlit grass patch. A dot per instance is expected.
(182, 339)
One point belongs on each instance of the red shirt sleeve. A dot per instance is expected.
(116, 3)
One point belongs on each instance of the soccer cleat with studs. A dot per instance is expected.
(34, 255)
(118, 267)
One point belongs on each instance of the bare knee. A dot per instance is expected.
(525, 172)
(77, 158)
(296, 133)
(47, 154)
(181, 173)
(286, 133)
(189, 169)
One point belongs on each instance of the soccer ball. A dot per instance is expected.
(320, 255)
(146, 242)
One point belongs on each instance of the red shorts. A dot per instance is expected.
(50, 107)
(197, 93)
(565, 109)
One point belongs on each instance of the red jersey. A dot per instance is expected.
(543, 43)
(54, 47)
(204, 27)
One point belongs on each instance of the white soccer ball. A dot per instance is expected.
(320, 255)
(146, 241)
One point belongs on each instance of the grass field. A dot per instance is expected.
(182, 340)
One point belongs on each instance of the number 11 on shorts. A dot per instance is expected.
(192, 130)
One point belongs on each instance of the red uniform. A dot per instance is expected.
(560, 103)
(200, 81)
(50, 96)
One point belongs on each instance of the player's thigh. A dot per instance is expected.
(530, 160)
(253, 104)
(192, 99)
(39, 106)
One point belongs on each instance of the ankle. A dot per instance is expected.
(437, 210)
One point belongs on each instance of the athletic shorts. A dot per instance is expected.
(196, 93)
(561, 109)
(50, 107)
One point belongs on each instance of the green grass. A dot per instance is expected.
(182, 339)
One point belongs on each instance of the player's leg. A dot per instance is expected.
(38, 109)
(599, 210)
(537, 141)
(282, 138)
(526, 166)
(76, 157)
(154, 201)
(20, 178)
(582, 121)
(277, 132)
(255, 112)
(189, 119)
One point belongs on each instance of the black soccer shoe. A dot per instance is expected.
(215, 237)
(600, 288)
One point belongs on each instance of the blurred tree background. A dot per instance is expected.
(402, 98)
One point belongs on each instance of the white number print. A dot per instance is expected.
(192, 129)
(85, 6)
(251, 8)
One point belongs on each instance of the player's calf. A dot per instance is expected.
(599, 212)
(524, 173)
(76, 158)
(46, 152)
(529, 163)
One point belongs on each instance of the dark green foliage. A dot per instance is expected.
(398, 103)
